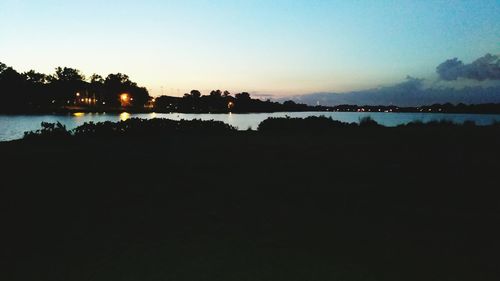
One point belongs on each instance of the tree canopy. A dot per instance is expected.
(66, 86)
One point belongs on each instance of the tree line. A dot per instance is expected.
(222, 102)
(68, 88)
(32, 90)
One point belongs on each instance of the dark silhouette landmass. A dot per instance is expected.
(297, 199)
(67, 87)
(68, 90)
(137, 127)
(218, 102)
(223, 102)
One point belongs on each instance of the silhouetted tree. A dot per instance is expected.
(36, 88)
(36, 77)
(68, 74)
(117, 84)
(33, 90)
(2, 67)
(195, 94)
(216, 94)
(12, 84)
(96, 78)
(65, 83)
(242, 96)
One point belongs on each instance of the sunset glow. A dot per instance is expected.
(263, 47)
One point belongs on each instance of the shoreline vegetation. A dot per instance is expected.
(298, 199)
(136, 127)
(69, 91)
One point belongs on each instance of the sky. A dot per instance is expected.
(263, 47)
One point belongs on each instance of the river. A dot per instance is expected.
(13, 126)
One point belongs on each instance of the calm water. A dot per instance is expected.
(13, 127)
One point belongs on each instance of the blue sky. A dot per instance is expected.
(269, 47)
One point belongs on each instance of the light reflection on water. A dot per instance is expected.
(14, 126)
(124, 116)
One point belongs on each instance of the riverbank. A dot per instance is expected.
(72, 110)
(355, 203)
(487, 108)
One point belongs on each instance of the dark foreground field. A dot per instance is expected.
(353, 204)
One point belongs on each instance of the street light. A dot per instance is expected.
(124, 97)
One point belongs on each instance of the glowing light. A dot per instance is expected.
(230, 105)
(78, 114)
(124, 116)
(125, 99)
(77, 94)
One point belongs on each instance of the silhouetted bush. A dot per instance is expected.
(49, 130)
(367, 121)
(312, 123)
(469, 123)
(436, 124)
(141, 127)
(133, 127)
(158, 127)
(417, 123)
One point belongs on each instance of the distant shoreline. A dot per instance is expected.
(438, 108)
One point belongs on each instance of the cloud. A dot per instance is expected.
(411, 84)
(411, 92)
(474, 83)
(484, 68)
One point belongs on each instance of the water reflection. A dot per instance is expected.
(124, 116)
(13, 126)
